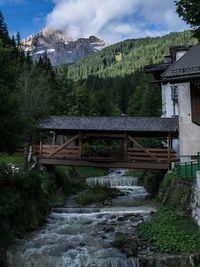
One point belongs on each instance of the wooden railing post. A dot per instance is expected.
(80, 145)
(169, 147)
(125, 145)
(40, 153)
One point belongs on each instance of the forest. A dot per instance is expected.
(108, 83)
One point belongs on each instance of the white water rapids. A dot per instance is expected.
(81, 237)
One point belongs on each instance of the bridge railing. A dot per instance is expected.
(188, 170)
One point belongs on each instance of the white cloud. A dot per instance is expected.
(114, 20)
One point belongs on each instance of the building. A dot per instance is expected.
(179, 78)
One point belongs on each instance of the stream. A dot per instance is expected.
(77, 236)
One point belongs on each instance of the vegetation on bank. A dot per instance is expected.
(26, 198)
(96, 194)
(172, 228)
(120, 239)
(16, 159)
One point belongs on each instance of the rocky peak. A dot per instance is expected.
(60, 48)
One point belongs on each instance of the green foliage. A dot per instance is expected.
(96, 194)
(115, 77)
(57, 200)
(152, 180)
(135, 54)
(91, 171)
(189, 11)
(136, 172)
(23, 202)
(171, 231)
(26, 198)
(174, 193)
(120, 239)
(16, 159)
(167, 183)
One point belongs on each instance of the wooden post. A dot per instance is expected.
(80, 145)
(40, 154)
(169, 147)
(125, 145)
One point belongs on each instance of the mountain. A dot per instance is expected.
(60, 48)
(126, 57)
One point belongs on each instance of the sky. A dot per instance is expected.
(110, 20)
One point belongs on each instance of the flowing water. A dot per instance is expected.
(81, 237)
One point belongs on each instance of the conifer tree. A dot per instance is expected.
(4, 36)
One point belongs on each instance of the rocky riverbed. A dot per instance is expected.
(77, 236)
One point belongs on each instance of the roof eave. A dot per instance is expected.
(186, 78)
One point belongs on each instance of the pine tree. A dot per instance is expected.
(4, 36)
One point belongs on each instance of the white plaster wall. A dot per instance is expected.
(195, 204)
(189, 132)
(179, 54)
(167, 103)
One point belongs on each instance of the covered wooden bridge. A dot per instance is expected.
(115, 142)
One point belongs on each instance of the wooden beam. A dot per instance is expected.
(80, 145)
(104, 135)
(169, 147)
(40, 153)
(128, 165)
(146, 150)
(64, 145)
(125, 145)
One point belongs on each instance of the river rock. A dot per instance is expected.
(109, 230)
(130, 248)
(107, 202)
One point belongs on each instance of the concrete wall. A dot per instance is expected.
(189, 132)
(195, 205)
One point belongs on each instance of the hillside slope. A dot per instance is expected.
(126, 57)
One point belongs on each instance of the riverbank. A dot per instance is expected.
(27, 198)
(172, 236)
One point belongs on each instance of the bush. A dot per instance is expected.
(26, 199)
(174, 192)
(120, 239)
(171, 231)
(96, 194)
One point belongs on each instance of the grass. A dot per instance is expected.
(171, 231)
(17, 159)
(96, 194)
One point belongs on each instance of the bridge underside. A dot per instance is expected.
(124, 165)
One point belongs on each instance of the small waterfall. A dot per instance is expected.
(77, 236)
(112, 181)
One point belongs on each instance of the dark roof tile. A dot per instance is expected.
(119, 124)
(187, 65)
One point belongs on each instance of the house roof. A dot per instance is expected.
(117, 124)
(187, 66)
(156, 67)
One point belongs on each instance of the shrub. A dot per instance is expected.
(120, 239)
(171, 231)
(96, 194)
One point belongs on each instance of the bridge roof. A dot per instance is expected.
(110, 124)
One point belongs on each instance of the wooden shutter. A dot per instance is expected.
(195, 101)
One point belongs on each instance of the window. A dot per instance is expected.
(174, 93)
